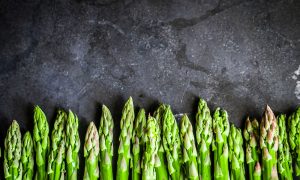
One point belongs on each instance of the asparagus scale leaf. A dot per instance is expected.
(151, 149)
(172, 144)
(41, 142)
(138, 143)
(56, 162)
(204, 137)
(72, 146)
(27, 157)
(189, 149)
(125, 138)
(269, 144)
(12, 153)
(91, 153)
(284, 164)
(161, 167)
(251, 136)
(220, 145)
(106, 144)
(294, 138)
(236, 154)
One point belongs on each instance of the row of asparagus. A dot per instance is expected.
(155, 147)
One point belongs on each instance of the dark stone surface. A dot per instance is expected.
(239, 55)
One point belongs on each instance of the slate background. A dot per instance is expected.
(239, 55)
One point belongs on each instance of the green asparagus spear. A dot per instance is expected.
(12, 153)
(56, 161)
(27, 156)
(106, 144)
(204, 137)
(294, 138)
(269, 144)
(125, 137)
(72, 146)
(236, 154)
(151, 149)
(285, 168)
(41, 142)
(251, 135)
(220, 145)
(91, 153)
(189, 149)
(161, 168)
(172, 144)
(138, 143)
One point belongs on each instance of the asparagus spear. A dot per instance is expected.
(284, 156)
(269, 144)
(106, 144)
(236, 154)
(220, 144)
(189, 148)
(58, 147)
(138, 143)
(172, 144)
(125, 137)
(12, 153)
(204, 137)
(161, 168)
(251, 135)
(151, 149)
(41, 142)
(27, 156)
(91, 153)
(72, 146)
(294, 138)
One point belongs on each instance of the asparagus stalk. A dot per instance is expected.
(151, 149)
(125, 137)
(285, 168)
(189, 151)
(294, 138)
(251, 135)
(138, 143)
(161, 168)
(172, 144)
(72, 146)
(204, 137)
(58, 147)
(269, 144)
(41, 142)
(106, 144)
(220, 145)
(236, 154)
(91, 153)
(12, 153)
(27, 156)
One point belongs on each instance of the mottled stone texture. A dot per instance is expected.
(77, 54)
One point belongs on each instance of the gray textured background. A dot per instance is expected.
(239, 55)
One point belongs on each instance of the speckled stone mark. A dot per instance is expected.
(297, 88)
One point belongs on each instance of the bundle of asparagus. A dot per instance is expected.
(204, 137)
(251, 135)
(269, 144)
